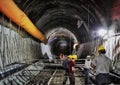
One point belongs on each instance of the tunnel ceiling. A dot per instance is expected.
(80, 17)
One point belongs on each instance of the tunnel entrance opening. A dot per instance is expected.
(61, 40)
(61, 45)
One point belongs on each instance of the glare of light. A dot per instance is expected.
(102, 32)
(111, 32)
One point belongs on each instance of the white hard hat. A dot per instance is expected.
(74, 46)
(88, 56)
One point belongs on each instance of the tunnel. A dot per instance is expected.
(34, 33)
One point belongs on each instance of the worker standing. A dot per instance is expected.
(70, 70)
(65, 67)
(102, 64)
(87, 68)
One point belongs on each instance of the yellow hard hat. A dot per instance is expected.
(70, 56)
(74, 57)
(101, 47)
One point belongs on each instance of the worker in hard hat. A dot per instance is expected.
(102, 64)
(87, 67)
(71, 69)
(101, 49)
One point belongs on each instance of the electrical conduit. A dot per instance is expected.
(10, 9)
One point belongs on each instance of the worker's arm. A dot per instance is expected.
(93, 63)
(73, 69)
(93, 66)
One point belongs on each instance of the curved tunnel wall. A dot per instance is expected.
(76, 16)
(54, 13)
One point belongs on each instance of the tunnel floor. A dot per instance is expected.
(38, 74)
(54, 77)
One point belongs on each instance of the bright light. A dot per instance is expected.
(111, 32)
(102, 32)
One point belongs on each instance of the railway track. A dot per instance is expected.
(37, 75)
(42, 78)
(54, 77)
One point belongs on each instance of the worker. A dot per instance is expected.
(87, 68)
(71, 70)
(102, 64)
(65, 68)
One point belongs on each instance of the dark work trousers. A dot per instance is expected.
(65, 77)
(102, 79)
(87, 77)
(71, 78)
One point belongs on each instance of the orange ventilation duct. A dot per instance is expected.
(10, 9)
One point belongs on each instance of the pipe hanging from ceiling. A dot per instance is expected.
(10, 9)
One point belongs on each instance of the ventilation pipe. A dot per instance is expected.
(10, 9)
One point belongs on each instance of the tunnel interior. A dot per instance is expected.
(81, 18)
(63, 23)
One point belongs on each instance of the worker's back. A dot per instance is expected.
(103, 64)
